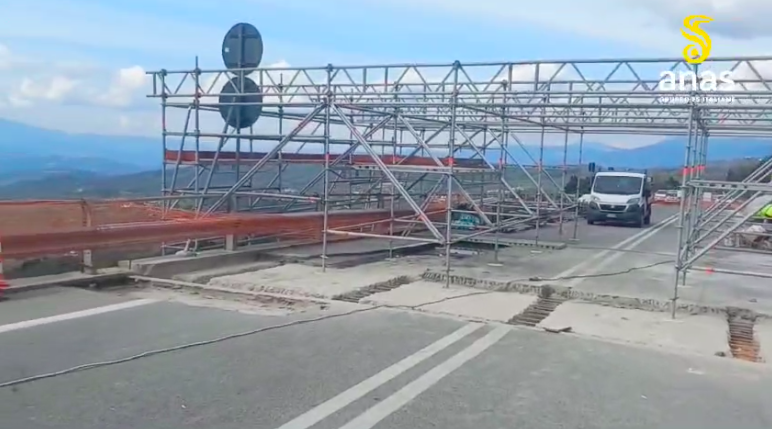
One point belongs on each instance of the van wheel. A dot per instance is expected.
(647, 219)
(590, 222)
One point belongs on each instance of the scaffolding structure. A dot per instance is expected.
(410, 136)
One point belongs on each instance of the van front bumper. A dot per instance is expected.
(613, 213)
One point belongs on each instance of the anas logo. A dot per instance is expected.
(696, 52)
(699, 50)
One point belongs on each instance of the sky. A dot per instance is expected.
(79, 65)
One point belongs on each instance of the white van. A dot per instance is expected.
(620, 197)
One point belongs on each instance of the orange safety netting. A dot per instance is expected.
(37, 228)
(18, 217)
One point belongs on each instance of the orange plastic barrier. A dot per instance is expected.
(37, 216)
(124, 231)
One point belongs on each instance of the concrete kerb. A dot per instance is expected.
(215, 290)
(286, 294)
(645, 304)
(547, 245)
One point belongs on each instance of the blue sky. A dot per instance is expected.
(60, 59)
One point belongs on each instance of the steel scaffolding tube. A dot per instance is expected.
(423, 133)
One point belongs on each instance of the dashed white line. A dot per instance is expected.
(643, 235)
(74, 315)
(377, 413)
(625, 245)
(322, 411)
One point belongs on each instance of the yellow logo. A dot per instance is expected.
(698, 51)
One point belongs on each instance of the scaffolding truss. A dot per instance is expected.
(468, 137)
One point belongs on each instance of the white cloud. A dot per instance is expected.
(25, 82)
(124, 121)
(58, 86)
(5, 57)
(652, 26)
(127, 85)
(739, 19)
(55, 89)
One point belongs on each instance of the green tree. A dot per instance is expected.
(739, 173)
(570, 187)
(672, 183)
(584, 184)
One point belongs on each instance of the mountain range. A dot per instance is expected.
(28, 152)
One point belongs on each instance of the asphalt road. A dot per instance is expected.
(601, 234)
(387, 369)
(350, 372)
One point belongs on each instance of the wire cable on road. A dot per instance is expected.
(611, 249)
(609, 274)
(181, 347)
(294, 323)
(212, 341)
(487, 292)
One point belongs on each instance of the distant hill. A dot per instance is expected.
(27, 141)
(14, 168)
(85, 184)
(36, 161)
(28, 152)
(666, 154)
(33, 145)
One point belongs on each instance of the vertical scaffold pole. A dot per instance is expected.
(682, 215)
(326, 180)
(576, 192)
(449, 176)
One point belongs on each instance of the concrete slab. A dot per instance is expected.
(203, 276)
(455, 300)
(651, 276)
(415, 294)
(513, 263)
(303, 280)
(763, 331)
(701, 334)
(625, 267)
(498, 306)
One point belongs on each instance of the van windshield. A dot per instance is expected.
(617, 185)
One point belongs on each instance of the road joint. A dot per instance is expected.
(616, 301)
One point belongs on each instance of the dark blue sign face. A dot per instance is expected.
(240, 90)
(242, 47)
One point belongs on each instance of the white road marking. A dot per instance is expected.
(322, 411)
(377, 413)
(74, 315)
(602, 254)
(630, 246)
